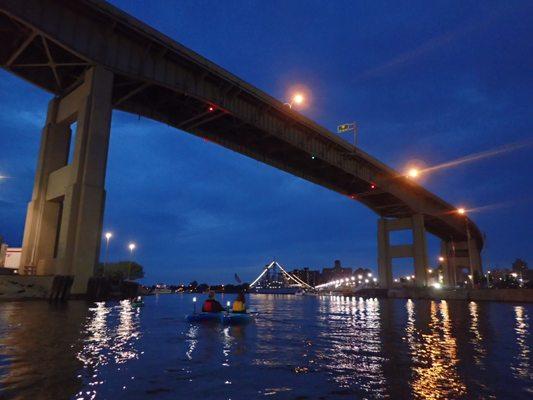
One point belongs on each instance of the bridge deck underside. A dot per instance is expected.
(37, 57)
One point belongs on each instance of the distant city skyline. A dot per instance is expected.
(426, 86)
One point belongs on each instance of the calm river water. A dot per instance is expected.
(300, 347)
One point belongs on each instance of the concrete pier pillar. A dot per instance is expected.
(420, 257)
(40, 233)
(417, 250)
(64, 220)
(447, 251)
(384, 259)
(460, 258)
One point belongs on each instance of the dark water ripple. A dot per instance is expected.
(299, 348)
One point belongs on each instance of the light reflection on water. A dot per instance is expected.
(351, 335)
(477, 337)
(299, 347)
(522, 365)
(434, 355)
(107, 342)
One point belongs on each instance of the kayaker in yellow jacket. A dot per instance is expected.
(239, 305)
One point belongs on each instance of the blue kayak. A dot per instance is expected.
(221, 317)
(237, 318)
(203, 317)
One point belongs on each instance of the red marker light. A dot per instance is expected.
(372, 186)
(211, 108)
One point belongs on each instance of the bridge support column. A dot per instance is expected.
(64, 219)
(460, 260)
(417, 250)
(384, 258)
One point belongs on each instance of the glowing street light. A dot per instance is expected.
(132, 247)
(108, 236)
(462, 211)
(297, 99)
(441, 258)
(413, 173)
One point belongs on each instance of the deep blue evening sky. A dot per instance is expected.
(428, 81)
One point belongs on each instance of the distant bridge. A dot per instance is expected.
(94, 58)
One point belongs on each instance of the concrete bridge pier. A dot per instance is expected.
(417, 250)
(460, 257)
(64, 219)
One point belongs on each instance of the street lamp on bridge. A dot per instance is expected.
(413, 173)
(462, 211)
(298, 99)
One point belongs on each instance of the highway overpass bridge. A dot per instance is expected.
(95, 58)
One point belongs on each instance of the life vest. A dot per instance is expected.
(208, 306)
(239, 306)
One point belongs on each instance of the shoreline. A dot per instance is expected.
(518, 295)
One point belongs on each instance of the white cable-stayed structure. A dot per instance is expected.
(264, 280)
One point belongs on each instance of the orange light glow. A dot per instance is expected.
(413, 173)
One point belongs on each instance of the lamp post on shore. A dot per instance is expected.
(131, 246)
(108, 236)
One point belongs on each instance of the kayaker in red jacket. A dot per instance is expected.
(211, 305)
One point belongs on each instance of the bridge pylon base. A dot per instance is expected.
(417, 250)
(461, 259)
(64, 219)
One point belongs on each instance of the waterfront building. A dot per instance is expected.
(337, 272)
(311, 277)
(9, 260)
